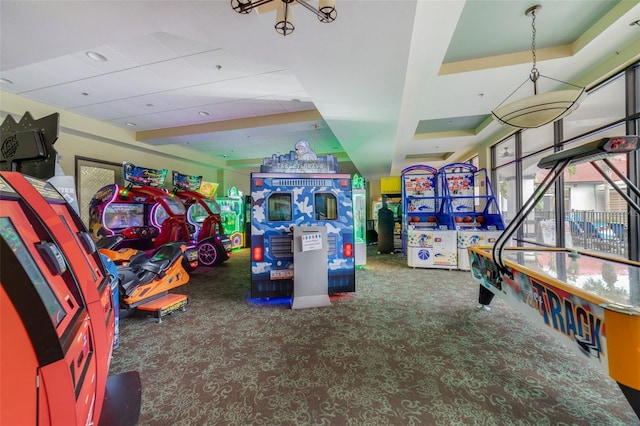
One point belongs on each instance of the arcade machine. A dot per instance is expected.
(474, 208)
(56, 305)
(146, 219)
(600, 322)
(393, 203)
(203, 213)
(232, 213)
(429, 235)
(296, 190)
(359, 193)
(386, 228)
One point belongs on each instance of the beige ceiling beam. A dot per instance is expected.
(497, 61)
(221, 126)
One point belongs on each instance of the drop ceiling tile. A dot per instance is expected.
(144, 50)
(144, 79)
(263, 106)
(103, 111)
(181, 46)
(116, 61)
(178, 73)
(71, 68)
(31, 77)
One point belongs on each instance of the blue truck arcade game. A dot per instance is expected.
(299, 189)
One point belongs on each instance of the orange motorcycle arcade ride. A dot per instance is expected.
(144, 231)
(145, 280)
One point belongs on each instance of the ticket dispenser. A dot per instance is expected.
(310, 273)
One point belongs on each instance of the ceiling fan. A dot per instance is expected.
(506, 153)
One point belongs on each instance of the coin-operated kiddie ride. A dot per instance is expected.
(144, 230)
(203, 213)
(56, 305)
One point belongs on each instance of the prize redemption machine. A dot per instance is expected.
(56, 305)
(474, 207)
(144, 230)
(563, 290)
(280, 201)
(429, 235)
(232, 213)
(203, 213)
(359, 219)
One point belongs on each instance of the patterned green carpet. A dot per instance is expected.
(407, 348)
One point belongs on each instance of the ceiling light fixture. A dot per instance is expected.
(326, 11)
(539, 109)
(96, 56)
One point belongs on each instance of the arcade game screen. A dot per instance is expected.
(197, 213)
(280, 207)
(50, 301)
(121, 215)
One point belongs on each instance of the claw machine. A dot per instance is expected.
(474, 208)
(232, 211)
(429, 235)
(359, 194)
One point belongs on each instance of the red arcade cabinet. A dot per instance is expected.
(56, 305)
(203, 213)
(147, 216)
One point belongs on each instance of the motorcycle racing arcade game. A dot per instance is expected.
(56, 310)
(148, 237)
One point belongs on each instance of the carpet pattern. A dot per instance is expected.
(407, 348)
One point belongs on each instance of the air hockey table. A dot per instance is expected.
(564, 291)
(589, 301)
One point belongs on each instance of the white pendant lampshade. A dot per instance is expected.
(538, 110)
(541, 108)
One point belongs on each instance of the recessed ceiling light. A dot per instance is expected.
(129, 123)
(203, 113)
(5, 81)
(96, 56)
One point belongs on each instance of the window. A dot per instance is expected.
(280, 207)
(604, 105)
(594, 215)
(326, 207)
